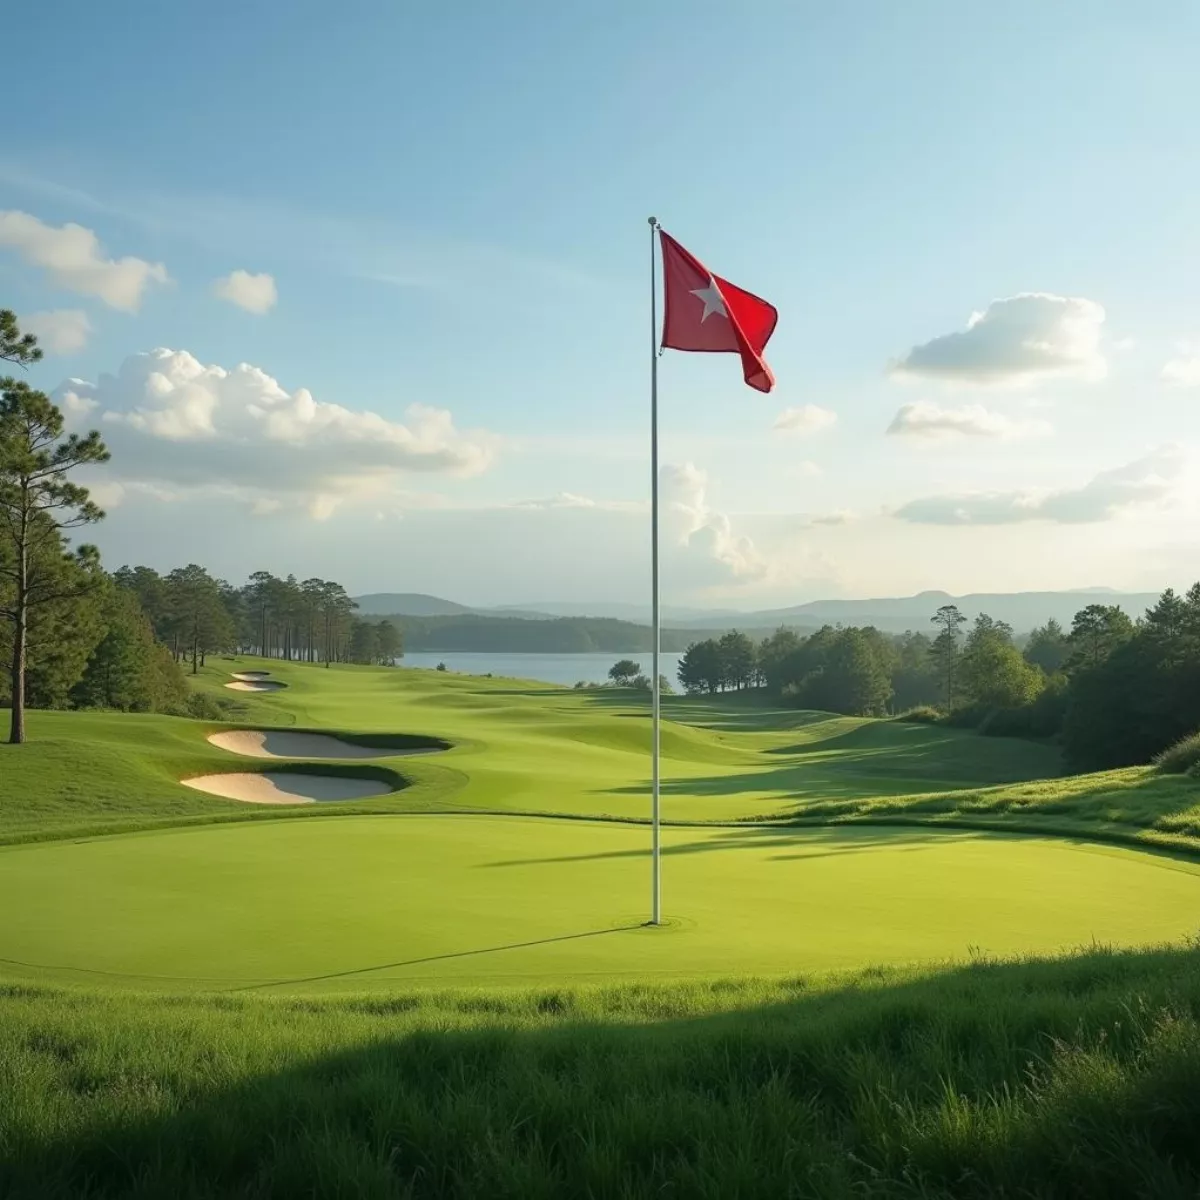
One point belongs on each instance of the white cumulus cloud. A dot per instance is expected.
(60, 331)
(805, 419)
(254, 293)
(1150, 480)
(75, 260)
(931, 422)
(699, 540)
(167, 418)
(1033, 335)
(1184, 369)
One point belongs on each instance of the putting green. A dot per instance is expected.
(429, 900)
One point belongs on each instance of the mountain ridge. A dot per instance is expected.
(894, 614)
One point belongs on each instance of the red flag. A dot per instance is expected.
(702, 311)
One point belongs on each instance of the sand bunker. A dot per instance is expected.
(250, 676)
(274, 743)
(282, 787)
(256, 685)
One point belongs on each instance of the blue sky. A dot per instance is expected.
(451, 204)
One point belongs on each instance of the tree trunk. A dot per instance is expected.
(195, 654)
(20, 639)
(17, 731)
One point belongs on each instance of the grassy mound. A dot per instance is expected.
(1077, 1078)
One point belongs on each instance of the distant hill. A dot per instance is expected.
(624, 627)
(1022, 610)
(677, 614)
(417, 604)
(491, 634)
(409, 604)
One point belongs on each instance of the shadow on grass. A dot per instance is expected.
(812, 778)
(385, 743)
(432, 958)
(831, 842)
(1073, 1078)
(854, 764)
(746, 712)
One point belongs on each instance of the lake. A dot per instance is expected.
(564, 669)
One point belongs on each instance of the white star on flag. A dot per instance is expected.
(714, 302)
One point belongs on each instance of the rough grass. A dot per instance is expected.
(1134, 806)
(1074, 1078)
(1181, 757)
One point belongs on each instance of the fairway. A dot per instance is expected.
(508, 856)
(427, 900)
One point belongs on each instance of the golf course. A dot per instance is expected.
(470, 831)
(386, 929)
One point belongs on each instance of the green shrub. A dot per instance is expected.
(204, 707)
(1041, 718)
(968, 715)
(922, 714)
(1182, 757)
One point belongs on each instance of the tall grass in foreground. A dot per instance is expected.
(1075, 1077)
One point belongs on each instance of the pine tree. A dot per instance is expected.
(38, 503)
(945, 646)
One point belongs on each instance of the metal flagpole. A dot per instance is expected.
(655, 703)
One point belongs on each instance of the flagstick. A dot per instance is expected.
(655, 703)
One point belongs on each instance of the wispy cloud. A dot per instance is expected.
(804, 419)
(1184, 369)
(573, 500)
(61, 331)
(383, 252)
(1147, 481)
(926, 421)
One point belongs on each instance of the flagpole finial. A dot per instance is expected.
(653, 221)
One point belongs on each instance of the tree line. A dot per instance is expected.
(1113, 691)
(74, 635)
(839, 669)
(311, 621)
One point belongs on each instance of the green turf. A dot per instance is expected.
(431, 882)
(1078, 1079)
(434, 899)
(581, 1053)
(518, 747)
(532, 748)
